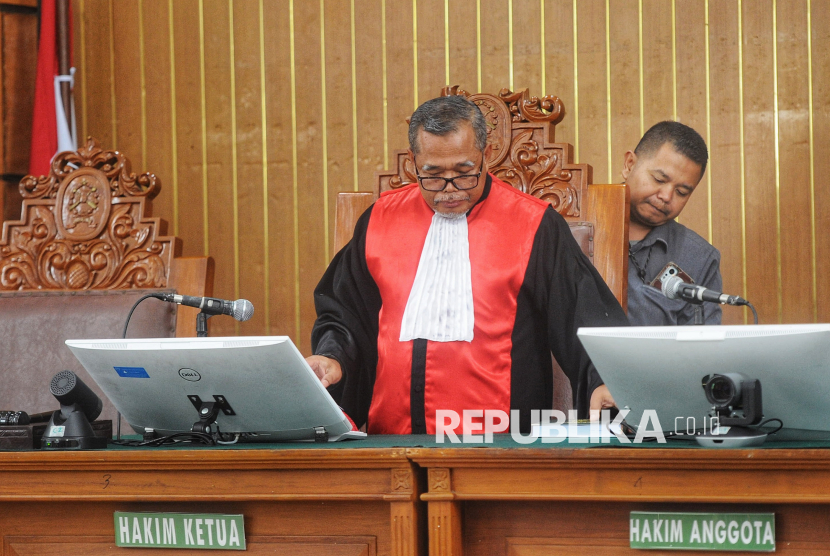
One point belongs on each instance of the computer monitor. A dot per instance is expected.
(272, 393)
(661, 368)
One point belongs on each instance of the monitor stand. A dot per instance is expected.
(734, 437)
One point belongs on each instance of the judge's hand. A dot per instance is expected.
(327, 370)
(600, 399)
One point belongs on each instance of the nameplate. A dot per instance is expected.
(699, 531)
(174, 530)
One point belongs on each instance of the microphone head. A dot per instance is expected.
(243, 310)
(671, 287)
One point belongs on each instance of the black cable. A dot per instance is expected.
(130, 314)
(641, 270)
(780, 424)
(172, 439)
(754, 312)
(631, 433)
(124, 336)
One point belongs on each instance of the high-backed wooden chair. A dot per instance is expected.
(84, 250)
(522, 132)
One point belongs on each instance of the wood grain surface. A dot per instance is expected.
(475, 501)
(341, 501)
(186, 87)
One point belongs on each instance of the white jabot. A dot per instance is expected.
(440, 305)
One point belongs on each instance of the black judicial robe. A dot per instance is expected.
(532, 289)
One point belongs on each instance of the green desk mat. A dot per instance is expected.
(789, 439)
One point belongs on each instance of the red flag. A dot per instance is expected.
(45, 126)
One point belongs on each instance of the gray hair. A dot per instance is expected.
(441, 116)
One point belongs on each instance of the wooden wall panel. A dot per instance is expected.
(692, 97)
(130, 122)
(157, 118)
(720, 193)
(254, 132)
(19, 34)
(250, 223)
(762, 232)
(625, 92)
(222, 235)
(820, 77)
(527, 45)
(430, 53)
(190, 179)
(794, 155)
(344, 120)
(18, 41)
(311, 240)
(495, 51)
(283, 315)
(96, 99)
(592, 87)
(659, 65)
(399, 67)
(369, 101)
(560, 75)
(463, 39)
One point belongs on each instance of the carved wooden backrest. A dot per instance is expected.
(85, 227)
(521, 129)
(84, 251)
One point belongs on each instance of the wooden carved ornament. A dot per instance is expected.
(83, 227)
(521, 130)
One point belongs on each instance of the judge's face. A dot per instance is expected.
(448, 156)
(660, 184)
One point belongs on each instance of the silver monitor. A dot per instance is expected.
(272, 392)
(661, 368)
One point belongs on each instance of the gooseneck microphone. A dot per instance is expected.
(241, 309)
(675, 288)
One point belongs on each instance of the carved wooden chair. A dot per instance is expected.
(522, 132)
(84, 250)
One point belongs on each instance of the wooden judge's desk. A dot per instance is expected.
(408, 495)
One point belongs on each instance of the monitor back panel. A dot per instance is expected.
(265, 381)
(661, 368)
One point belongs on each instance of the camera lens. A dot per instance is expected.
(721, 390)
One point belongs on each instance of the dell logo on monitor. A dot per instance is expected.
(190, 374)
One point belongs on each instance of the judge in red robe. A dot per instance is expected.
(454, 291)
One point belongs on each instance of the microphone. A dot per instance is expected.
(241, 309)
(11, 418)
(675, 288)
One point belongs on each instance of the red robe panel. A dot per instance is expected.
(458, 375)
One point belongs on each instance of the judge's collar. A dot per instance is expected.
(487, 185)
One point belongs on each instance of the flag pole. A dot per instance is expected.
(62, 29)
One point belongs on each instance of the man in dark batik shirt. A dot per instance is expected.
(661, 174)
(454, 292)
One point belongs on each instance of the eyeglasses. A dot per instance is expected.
(463, 182)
